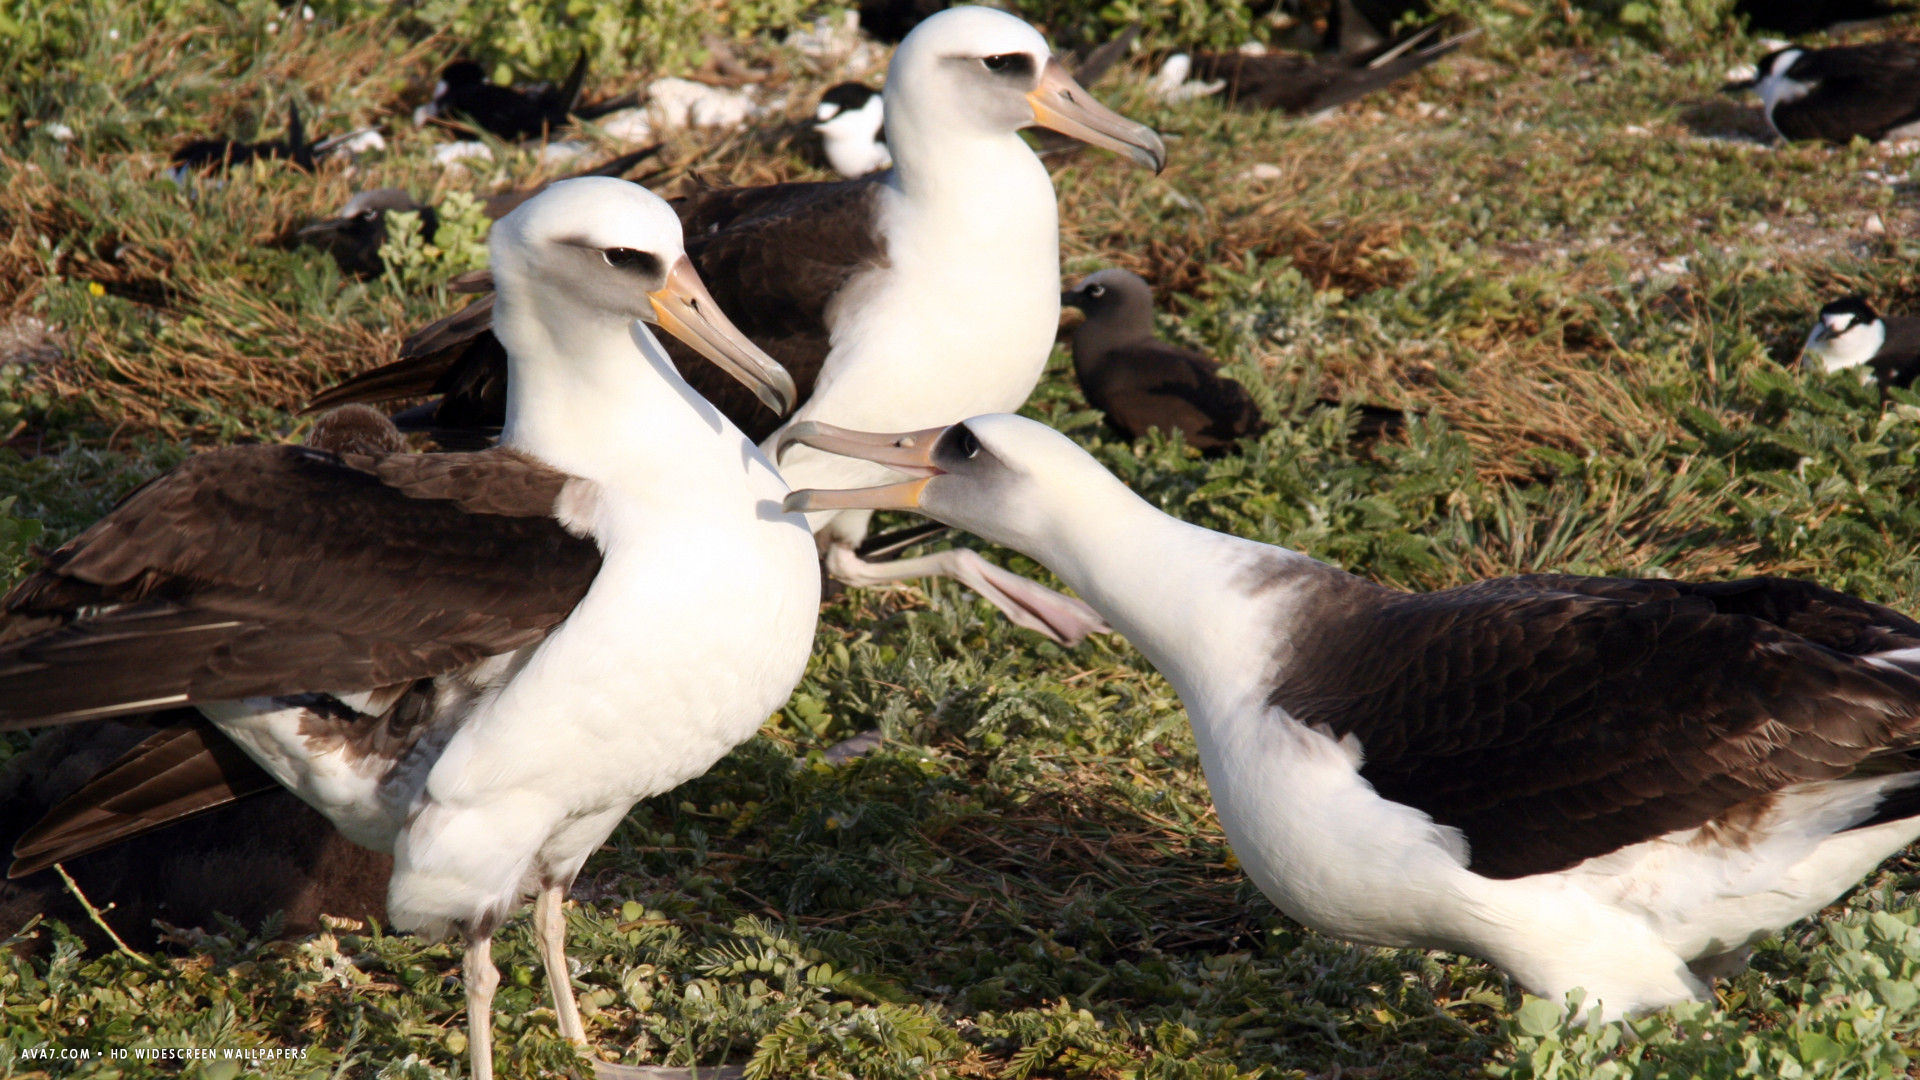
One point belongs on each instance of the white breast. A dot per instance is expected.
(694, 631)
(958, 324)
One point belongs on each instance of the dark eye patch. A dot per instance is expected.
(1009, 64)
(958, 443)
(632, 259)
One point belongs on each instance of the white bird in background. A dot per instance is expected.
(850, 121)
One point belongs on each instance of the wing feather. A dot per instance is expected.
(185, 769)
(275, 570)
(1870, 89)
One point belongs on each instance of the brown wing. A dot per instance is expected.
(455, 354)
(1090, 65)
(1285, 81)
(1299, 84)
(773, 257)
(279, 570)
(1552, 719)
(1155, 385)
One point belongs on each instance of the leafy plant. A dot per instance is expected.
(416, 262)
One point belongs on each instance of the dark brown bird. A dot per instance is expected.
(1141, 382)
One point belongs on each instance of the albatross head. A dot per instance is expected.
(603, 251)
(977, 70)
(1003, 478)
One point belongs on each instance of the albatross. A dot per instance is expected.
(918, 296)
(477, 661)
(1141, 382)
(1606, 783)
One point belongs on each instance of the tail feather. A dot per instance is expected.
(297, 146)
(1899, 804)
(110, 664)
(185, 770)
(569, 93)
(407, 377)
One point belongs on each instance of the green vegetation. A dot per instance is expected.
(1590, 310)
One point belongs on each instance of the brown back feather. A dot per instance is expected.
(274, 570)
(1555, 718)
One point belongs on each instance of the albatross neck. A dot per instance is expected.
(1199, 604)
(597, 397)
(967, 169)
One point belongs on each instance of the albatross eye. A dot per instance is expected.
(960, 443)
(1096, 291)
(1008, 64)
(631, 259)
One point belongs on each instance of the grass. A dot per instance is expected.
(1589, 309)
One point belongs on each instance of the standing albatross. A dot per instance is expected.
(1605, 783)
(478, 661)
(918, 296)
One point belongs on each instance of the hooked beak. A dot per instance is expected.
(1064, 106)
(685, 309)
(1740, 86)
(910, 453)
